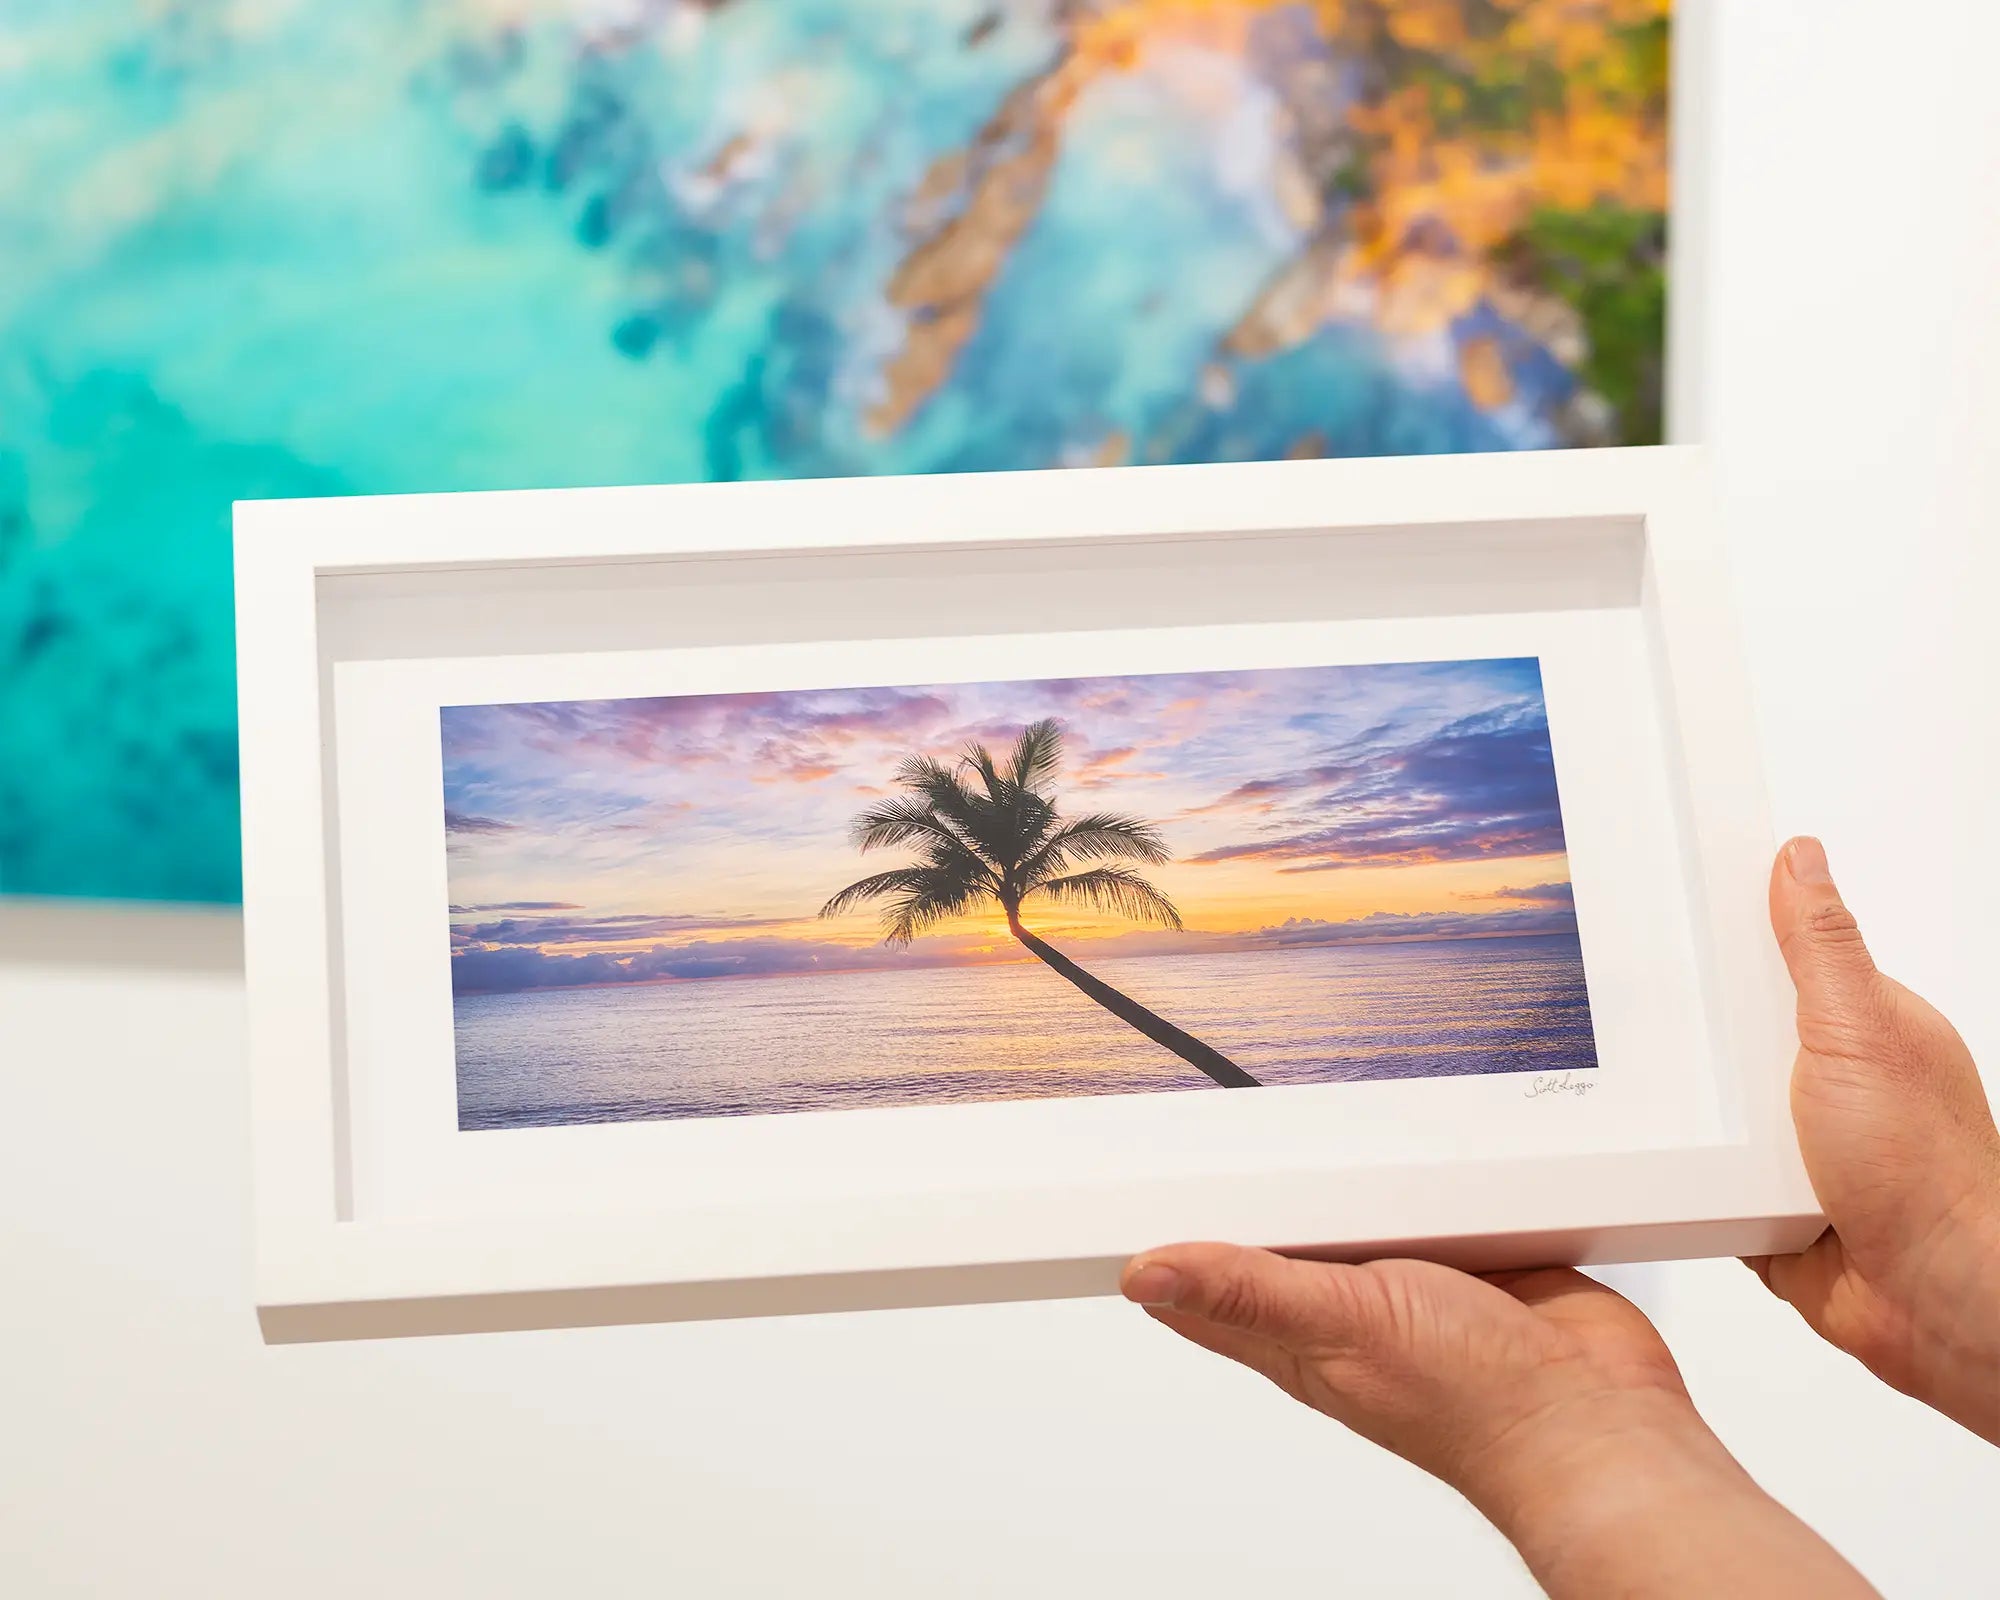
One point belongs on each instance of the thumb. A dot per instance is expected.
(1297, 1304)
(1830, 965)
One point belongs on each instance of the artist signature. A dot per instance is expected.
(1557, 1083)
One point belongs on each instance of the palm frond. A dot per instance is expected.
(933, 895)
(1115, 889)
(1024, 815)
(1037, 754)
(901, 880)
(934, 782)
(947, 854)
(1026, 820)
(997, 821)
(961, 811)
(898, 820)
(1100, 836)
(980, 759)
(918, 896)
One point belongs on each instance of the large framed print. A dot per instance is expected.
(735, 899)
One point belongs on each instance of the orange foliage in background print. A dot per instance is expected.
(1444, 201)
(1474, 118)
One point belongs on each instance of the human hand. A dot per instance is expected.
(1547, 1400)
(1901, 1148)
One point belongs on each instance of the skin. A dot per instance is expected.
(1551, 1402)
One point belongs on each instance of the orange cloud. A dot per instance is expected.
(798, 772)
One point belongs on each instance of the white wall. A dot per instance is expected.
(150, 1445)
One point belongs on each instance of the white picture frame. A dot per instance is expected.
(371, 1217)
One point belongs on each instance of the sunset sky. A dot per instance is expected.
(697, 836)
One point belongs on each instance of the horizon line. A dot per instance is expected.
(999, 961)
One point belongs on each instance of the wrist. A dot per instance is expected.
(1598, 1463)
(1955, 1324)
(1636, 1496)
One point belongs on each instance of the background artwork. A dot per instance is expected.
(270, 248)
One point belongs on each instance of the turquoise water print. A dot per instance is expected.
(273, 248)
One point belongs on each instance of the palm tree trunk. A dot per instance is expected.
(1190, 1049)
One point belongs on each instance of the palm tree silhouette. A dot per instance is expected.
(984, 834)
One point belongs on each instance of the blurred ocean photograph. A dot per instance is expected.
(702, 906)
(262, 248)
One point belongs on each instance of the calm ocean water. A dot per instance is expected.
(734, 1047)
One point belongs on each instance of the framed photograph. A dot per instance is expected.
(733, 899)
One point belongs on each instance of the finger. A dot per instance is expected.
(1566, 1298)
(1302, 1304)
(1268, 1360)
(1839, 990)
(1809, 1281)
(1541, 1286)
(1231, 1342)
(1259, 1355)
(1821, 942)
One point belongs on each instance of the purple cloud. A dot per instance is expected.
(462, 822)
(1483, 787)
(695, 728)
(532, 931)
(1382, 927)
(1548, 894)
(507, 969)
(503, 971)
(517, 905)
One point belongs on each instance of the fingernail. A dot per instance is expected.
(1152, 1285)
(1806, 859)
